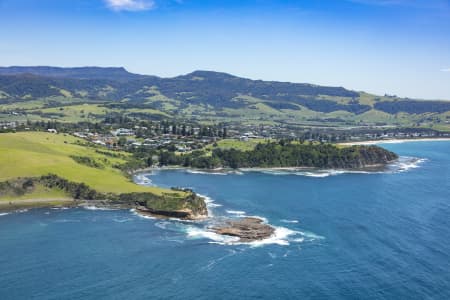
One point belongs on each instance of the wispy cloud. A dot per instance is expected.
(445, 70)
(130, 5)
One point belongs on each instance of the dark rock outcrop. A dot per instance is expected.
(247, 229)
(184, 214)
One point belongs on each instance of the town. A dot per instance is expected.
(178, 137)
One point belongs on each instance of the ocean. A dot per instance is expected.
(339, 235)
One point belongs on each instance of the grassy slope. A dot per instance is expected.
(256, 112)
(29, 154)
(39, 192)
(235, 144)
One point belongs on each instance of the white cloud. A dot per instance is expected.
(445, 70)
(130, 5)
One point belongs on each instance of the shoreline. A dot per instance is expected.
(393, 141)
(16, 205)
(26, 204)
(226, 171)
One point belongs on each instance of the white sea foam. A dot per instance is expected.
(67, 221)
(163, 224)
(289, 221)
(210, 205)
(321, 174)
(309, 236)
(141, 215)
(92, 207)
(196, 233)
(16, 211)
(59, 208)
(280, 237)
(142, 179)
(236, 212)
(206, 172)
(209, 202)
(405, 163)
(118, 220)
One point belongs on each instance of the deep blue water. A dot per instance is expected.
(345, 236)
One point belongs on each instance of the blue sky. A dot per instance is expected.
(387, 46)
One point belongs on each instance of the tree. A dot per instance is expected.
(122, 141)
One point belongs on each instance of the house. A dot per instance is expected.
(52, 130)
(123, 132)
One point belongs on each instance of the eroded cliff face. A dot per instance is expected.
(366, 156)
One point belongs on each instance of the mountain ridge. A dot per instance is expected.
(217, 97)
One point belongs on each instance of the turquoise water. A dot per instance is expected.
(341, 236)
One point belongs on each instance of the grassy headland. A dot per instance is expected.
(26, 159)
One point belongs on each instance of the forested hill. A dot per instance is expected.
(213, 95)
(286, 154)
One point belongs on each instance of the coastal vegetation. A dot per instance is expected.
(55, 168)
(283, 153)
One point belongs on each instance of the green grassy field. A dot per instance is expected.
(239, 145)
(40, 192)
(31, 154)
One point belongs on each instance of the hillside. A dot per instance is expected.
(38, 153)
(206, 96)
(77, 172)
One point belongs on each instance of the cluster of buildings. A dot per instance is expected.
(8, 125)
(123, 137)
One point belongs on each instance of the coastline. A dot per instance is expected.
(16, 205)
(393, 141)
(226, 171)
(24, 205)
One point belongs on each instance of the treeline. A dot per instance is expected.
(89, 161)
(284, 154)
(413, 107)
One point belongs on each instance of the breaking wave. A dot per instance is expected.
(141, 179)
(194, 171)
(210, 204)
(236, 212)
(406, 163)
(141, 215)
(289, 221)
(92, 207)
(196, 233)
(282, 236)
(403, 164)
